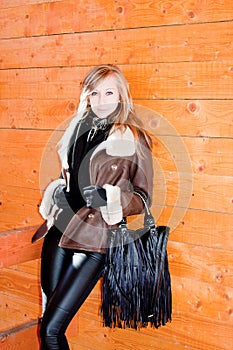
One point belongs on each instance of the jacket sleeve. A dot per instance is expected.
(142, 182)
(121, 198)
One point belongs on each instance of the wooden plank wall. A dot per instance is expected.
(177, 56)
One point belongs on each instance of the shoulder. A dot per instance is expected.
(118, 144)
(121, 143)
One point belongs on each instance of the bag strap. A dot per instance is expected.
(148, 219)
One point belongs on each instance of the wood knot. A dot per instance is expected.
(191, 14)
(219, 277)
(193, 107)
(202, 166)
(71, 106)
(119, 9)
(154, 123)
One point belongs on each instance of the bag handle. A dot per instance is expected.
(148, 219)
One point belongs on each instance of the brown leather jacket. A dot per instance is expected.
(116, 166)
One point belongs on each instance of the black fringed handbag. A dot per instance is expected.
(136, 282)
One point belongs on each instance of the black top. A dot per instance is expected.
(88, 134)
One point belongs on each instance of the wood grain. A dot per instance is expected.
(152, 45)
(21, 337)
(199, 227)
(177, 58)
(196, 300)
(205, 118)
(25, 284)
(70, 16)
(191, 80)
(16, 246)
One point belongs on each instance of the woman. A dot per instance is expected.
(105, 156)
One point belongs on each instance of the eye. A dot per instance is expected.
(109, 93)
(94, 93)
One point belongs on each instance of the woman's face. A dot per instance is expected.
(105, 97)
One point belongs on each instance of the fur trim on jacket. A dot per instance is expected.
(115, 166)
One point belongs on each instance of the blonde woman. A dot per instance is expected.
(105, 156)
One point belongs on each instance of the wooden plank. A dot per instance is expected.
(70, 16)
(9, 4)
(21, 172)
(23, 337)
(181, 71)
(5, 325)
(14, 221)
(199, 227)
(211, 192)
(206, 192)
(36, 114)
(217, 189)
(185, 260)
(179, 190)
(184, 332)
(19, 208)
(31, 267)
(206, 118)
(185, 329)
(94, 48)
(189, 80)
(147, 45)
(26, 144)
(180, 298)
(32, 160)
(190, 295)
(209, 156)
(194, 303)
(24, 285)
(190, 226)
(58, 17)
(29, 172)
(208, 80)
(203, 299)
(45, 76)
(201, 263)
(188, 259)
(95, 337)
(23, 203)
(144, 13)
(16, 246)
(204, 155)
(18, 309)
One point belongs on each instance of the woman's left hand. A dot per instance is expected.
(95, 196)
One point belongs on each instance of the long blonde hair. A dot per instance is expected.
(126, 115)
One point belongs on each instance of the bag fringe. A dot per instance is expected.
(136, 283)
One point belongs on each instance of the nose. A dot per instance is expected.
(102, 99)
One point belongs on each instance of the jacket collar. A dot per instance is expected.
(118, 144)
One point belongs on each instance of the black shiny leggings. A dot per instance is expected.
(67, 278)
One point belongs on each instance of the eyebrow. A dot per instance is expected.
(109, 88)
(105, 89)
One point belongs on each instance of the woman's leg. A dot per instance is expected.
(54, 262)
(72, 290)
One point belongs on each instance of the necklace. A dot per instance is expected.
(98, 124)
